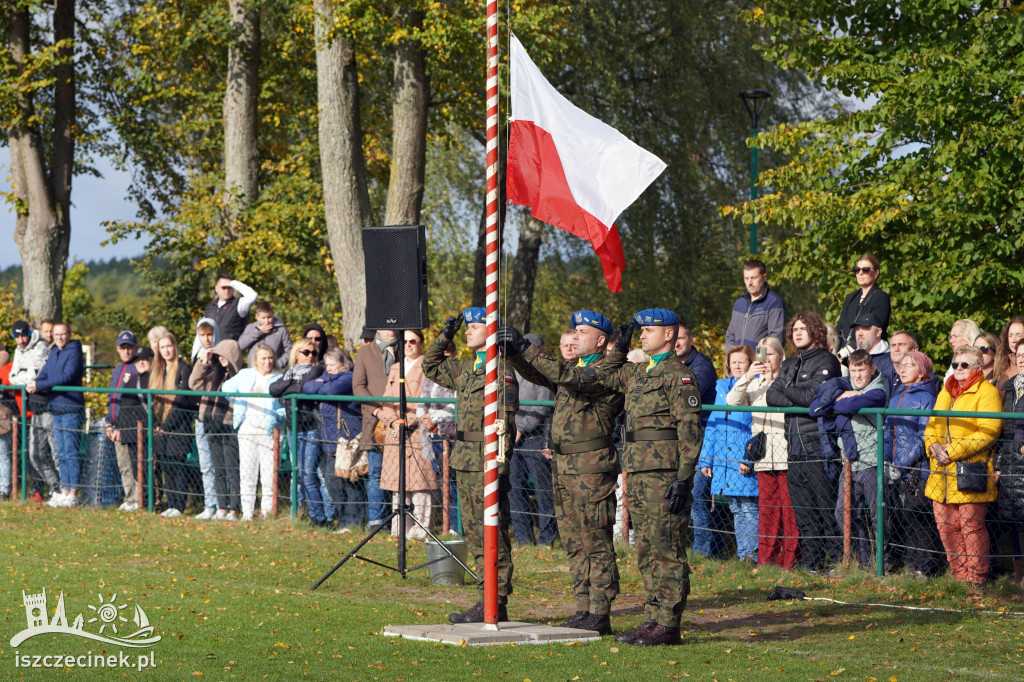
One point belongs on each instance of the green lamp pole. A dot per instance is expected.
(755, 102)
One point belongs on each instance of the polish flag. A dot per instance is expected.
(572, 170)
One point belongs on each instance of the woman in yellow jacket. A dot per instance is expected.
(960, 514)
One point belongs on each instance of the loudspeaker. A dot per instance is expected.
(396, 276)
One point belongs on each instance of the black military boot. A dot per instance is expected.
(659, 636)
(602, 625)
(576, 619)
(476, 614)
(632, 635)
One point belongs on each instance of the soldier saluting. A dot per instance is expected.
(584, 466)
(661, 445)
(467, 377)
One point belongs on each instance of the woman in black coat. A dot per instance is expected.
(868, 299)
(1009, 466)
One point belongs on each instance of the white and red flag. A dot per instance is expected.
(572, 170)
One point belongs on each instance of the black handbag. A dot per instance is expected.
(756, 448)
(972, 477)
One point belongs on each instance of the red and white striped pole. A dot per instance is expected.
(491, 388)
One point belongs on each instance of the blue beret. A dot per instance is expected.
(589, 317)
(655, 317)
(477, 315)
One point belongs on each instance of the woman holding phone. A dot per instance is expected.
(777, 530)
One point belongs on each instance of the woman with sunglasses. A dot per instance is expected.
(419, 471)
(867, 299)
(303, 367)
(988, 344)
(960, 504)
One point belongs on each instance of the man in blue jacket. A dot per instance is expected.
(758, 313)
(707, 540)
(858, 439)
(64, 368)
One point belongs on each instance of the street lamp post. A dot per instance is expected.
(755, 102)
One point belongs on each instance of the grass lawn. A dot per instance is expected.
(233, 602)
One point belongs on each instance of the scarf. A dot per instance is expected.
(655, 359)
(953, 386)
(387, 351)
(587, 359)
(1018, 386)
(481, 358)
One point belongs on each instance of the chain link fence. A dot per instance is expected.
(835, 502)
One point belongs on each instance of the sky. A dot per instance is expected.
(94, 200)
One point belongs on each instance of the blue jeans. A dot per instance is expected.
(437, 440)
(707, 540)
(206, 467)
(374, 495)
(744, 520)
(309, 459)
(67, 430)
(528, 464)
(6, 446)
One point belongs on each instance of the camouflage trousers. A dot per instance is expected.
(585, 509)
(660, 545)
(471, 502)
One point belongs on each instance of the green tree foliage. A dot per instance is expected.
(925, 173)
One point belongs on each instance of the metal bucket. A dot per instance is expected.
(447, 571)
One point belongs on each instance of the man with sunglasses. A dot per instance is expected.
(468, 377)
(867, 299)
(662, 442)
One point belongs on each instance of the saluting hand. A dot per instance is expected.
(625, 337)
(452, 324)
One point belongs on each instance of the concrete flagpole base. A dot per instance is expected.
(482, 634)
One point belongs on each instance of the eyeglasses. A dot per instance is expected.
(961, 365)
(857, 271)
(315, 338)
(986, 349)
(307, 352)
(412, 341)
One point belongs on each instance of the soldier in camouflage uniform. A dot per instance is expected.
(662, 442)
(584, 466)
(467, 378)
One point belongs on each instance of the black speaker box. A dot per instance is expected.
(396, 277)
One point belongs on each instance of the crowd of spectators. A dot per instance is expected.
(781, 484)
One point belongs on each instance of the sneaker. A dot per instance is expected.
(171, 513)
(206, 515)
(247, 517)
(129, 507)
(342, 531)
(376, 523)
(125, 506)
(71, 500)
(56, 500)
(221, 515)
(232, 516)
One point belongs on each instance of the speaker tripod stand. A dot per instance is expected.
(402, 509)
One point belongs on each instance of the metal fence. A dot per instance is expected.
(822, 508)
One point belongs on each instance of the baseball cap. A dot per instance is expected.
(21, 328)
(126, 338)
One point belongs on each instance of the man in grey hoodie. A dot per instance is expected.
(29, 358)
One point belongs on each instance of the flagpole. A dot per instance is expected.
(491, 388)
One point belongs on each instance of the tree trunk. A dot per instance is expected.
(524, 275)
(346, 198)
(409, 122)
(241, 101)
(42, 228)
(480, 265)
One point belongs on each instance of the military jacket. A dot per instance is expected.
(657, 402)
(585, 411)
(468, 383)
